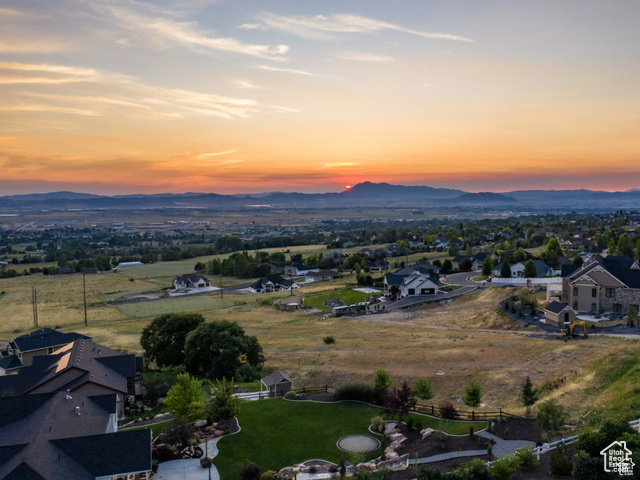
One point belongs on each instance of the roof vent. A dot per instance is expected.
(77, 411)
(69, 397)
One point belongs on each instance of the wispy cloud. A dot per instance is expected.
(339, 165)
(245, 84)
(321, 27)
(185, 33)
(365, 57)
(214, 154)
(9, 12)
(102, 89)
(289, 70)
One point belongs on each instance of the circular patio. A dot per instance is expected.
(358, 443)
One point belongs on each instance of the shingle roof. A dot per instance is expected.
(392, 279)
(9, 362)
(45, 338)
(556, 307)
(23, 472)
(121, 452)
(276, 377)
(191, 278)
(275, 279)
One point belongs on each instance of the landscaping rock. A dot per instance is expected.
(426, 432)
(389, 427)
(199, 423)
(397, 437)
(392, 455)
(218, 433)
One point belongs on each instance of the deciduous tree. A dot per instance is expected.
(164, 338)
(185, 397)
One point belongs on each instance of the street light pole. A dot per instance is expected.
(84, 291)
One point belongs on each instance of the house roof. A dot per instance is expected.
(323, 273)
(81, 362)
(10, 361)
(45, 338)
(48, 440)
(624, 268)
(422, 268)
(275, 279)
(190, 278)
(392, 279)
(276, 377)
(556, 307)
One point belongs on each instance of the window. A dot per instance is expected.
(617, 308)
(575, 304)
(594, 292)
(412, 291)
(593, 307)
(610, 293)
(575, 291)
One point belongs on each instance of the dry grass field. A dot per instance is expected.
(450, 344)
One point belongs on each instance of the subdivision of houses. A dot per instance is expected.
(415, 283)
(609, 285)
(273, 283)
(70, 436)
(82, 367)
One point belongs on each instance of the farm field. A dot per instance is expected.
(449, 344)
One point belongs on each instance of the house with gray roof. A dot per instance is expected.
(609, 285)
(276, 384)
(272, 283)
(69, 436)
(415, 283)
(40, 342)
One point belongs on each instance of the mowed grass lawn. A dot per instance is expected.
(276, 433)
(349, 297)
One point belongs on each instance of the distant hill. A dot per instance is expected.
(365, 194)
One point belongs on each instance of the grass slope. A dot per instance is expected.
(348, 296)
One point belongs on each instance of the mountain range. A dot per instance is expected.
(365, 194)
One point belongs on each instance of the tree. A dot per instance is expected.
(423, 389)
(465, 265)
(632, 317)
(472, 394)
(447, 266)
(530, 270)
(400, 401)
(185, 397)
(505, 270)
(222, 405)
(578, 260)
(519, 255)
(487, 266)
(552, 253)
(222, 349)
(551, 416)
(529, 395)
(163, 340)
(382, 379)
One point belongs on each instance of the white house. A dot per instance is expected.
(272, 283)
(320, 276)
(415, 283)
(191, 281)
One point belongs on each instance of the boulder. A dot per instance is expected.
(199, 423)
(426, 432)
(389, 427)
(392, 455)
(397, 437)
(159, 415)
(218, 433)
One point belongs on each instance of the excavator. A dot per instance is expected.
(568, 329)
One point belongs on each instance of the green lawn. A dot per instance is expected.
(276, 433)
(349, 297)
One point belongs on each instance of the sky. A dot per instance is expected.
(127, 96)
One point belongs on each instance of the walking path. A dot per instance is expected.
(502, 448)
(189, 468)
(447, 456)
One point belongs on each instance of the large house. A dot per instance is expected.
(320, 276)
(21, 350)
(82, 367)
(415, 283)
(273, 283)
(190, 281)
(604, 285)
(58, 435)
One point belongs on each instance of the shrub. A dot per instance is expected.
(503, 469)
(506, 433)
(377, 424)
(382, 379)
(250, 471)
(447, 410)
(551, 415)
(410, 424)
(560, 462)
(472, 394)
(475, 469)
(180, 432)
(269, 475)
(353, 391)
(290, 395)
(313, 469)
(526, 459)
(329, 340)
(471, 432)
(490, 449)
(426, 472)
(489, 426)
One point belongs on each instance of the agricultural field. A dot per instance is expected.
(450, 344)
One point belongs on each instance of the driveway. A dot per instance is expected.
(187, 469)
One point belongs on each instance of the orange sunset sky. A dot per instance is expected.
(128, 96)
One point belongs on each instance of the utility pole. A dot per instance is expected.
(34, 301)
(84, 291)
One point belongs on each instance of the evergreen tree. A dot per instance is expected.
(472, 394)
(529, 395)
(530, 270)
(505, 271)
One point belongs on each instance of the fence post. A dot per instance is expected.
(304, 389)
(500, 413)
(433, 412)
(473, 415)
(326, 388)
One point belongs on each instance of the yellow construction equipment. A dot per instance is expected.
(568, 329)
